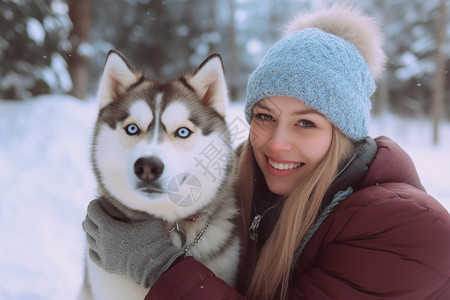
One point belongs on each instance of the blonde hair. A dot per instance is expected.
(272, 272)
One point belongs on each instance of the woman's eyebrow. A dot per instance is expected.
(262, 106)
(296, 113)
(306, 112)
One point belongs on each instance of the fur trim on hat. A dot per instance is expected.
(351, 25)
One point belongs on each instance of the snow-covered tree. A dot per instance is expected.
(33, 40)
(410, 36)
(163, 38)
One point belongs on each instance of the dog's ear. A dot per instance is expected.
(209, 81)
(116, 77)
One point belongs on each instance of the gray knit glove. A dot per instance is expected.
(139, 250)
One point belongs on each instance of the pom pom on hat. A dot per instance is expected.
(350, 24)
(328, 62)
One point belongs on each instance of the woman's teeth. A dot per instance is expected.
(281, 166)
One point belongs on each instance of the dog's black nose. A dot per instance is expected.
(148, 168)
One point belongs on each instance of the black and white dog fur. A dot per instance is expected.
(164, 149)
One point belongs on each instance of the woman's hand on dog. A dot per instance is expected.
(139, 250)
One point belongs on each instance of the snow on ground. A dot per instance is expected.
(46, 184)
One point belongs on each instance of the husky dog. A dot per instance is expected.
(164, 149)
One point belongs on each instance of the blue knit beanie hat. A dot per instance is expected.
(323, 70)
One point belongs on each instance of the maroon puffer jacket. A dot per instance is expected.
(387, 240)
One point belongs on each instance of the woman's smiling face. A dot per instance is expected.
(289, 140)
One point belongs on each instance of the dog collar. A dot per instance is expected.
(194, 217)
(199, 236)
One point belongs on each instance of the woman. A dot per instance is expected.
(331, 213)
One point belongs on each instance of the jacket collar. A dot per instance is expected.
(353, 170)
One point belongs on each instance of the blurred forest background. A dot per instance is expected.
(58, 46)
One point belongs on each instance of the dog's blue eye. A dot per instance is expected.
(183, 132)
(132, 129)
